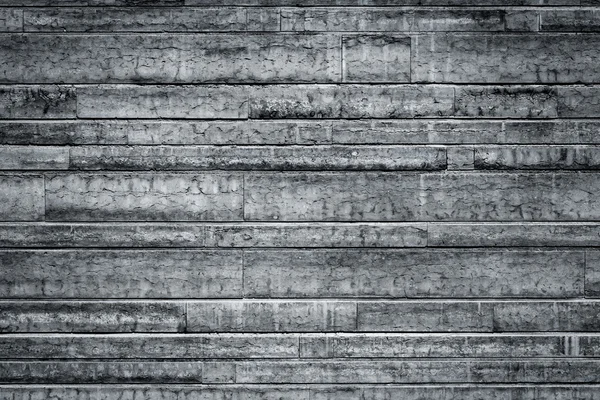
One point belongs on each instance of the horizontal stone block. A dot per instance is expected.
(255, 392)
(413, 273)
(129, 101)
(22, 198)
(580, 316)
(424, 317)
(37, 102)
(578, 101)
(510, 197)
(332, 197)
(380, 2)
(522, 20)
(142, 346)
(146, 132)
(11, 20)
(120, 274)
(84, 3)
(537, 157)
(102, 235)
(538, 371)
(514, 234)
(416, 132)
(390, 345)
(108, 392)
(33, 158)
(280, 316)
(373, 19)
(315, 235)
(448, 392)
(570, 20)
(502, 58)
(507, 102)
(168, 58)
(210, 19)
(551, 132)
(141, 197)
(376, 58)
(351, 101)
(118, 372)
(254, 158)
(262, 19)
(456, 196)
(89, 316)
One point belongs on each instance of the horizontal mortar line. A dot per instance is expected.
(308, 83)
(392, 249)
(270, 223)
(192, 300)
(292, 8)
(299, 120)
(242, 385)
(325, 360)
(289, 32)
(78, 334)
(440, 144)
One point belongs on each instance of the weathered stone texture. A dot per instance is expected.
(120, 274)
(141, 197)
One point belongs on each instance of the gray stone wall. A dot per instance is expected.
(300, 200)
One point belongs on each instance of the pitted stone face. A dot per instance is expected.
(299, 199)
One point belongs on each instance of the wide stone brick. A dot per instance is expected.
(413, 273)
(144, 197)
(120, 274)
(37, 102)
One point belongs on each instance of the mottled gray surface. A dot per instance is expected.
(300, 199)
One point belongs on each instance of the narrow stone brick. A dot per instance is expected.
(11, 20)
(460, 158)
(415, 132)
(254, 316)
(315, 235)
(413, 273)
(580, 316)
(351, 101)
(514, 234)
(90, 316)
(103, 235)
(37, 102)
(537, 157)
(505, 58)
(373, 19)
(143, 346)
(33, 158)
(165, 392)
(538, 371)
(570, 20)
(387, 345)
(104, 372)
(507, 102)
(424, 317)
(578, 101)
(392, 158)
(494, 392)
(120, 274)
(144, 197)
(135, 19)
(65, 132)
(552, 132)
(128, 101)
(370, 58)
(21, 198)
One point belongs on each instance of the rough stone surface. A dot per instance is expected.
(300, 199)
